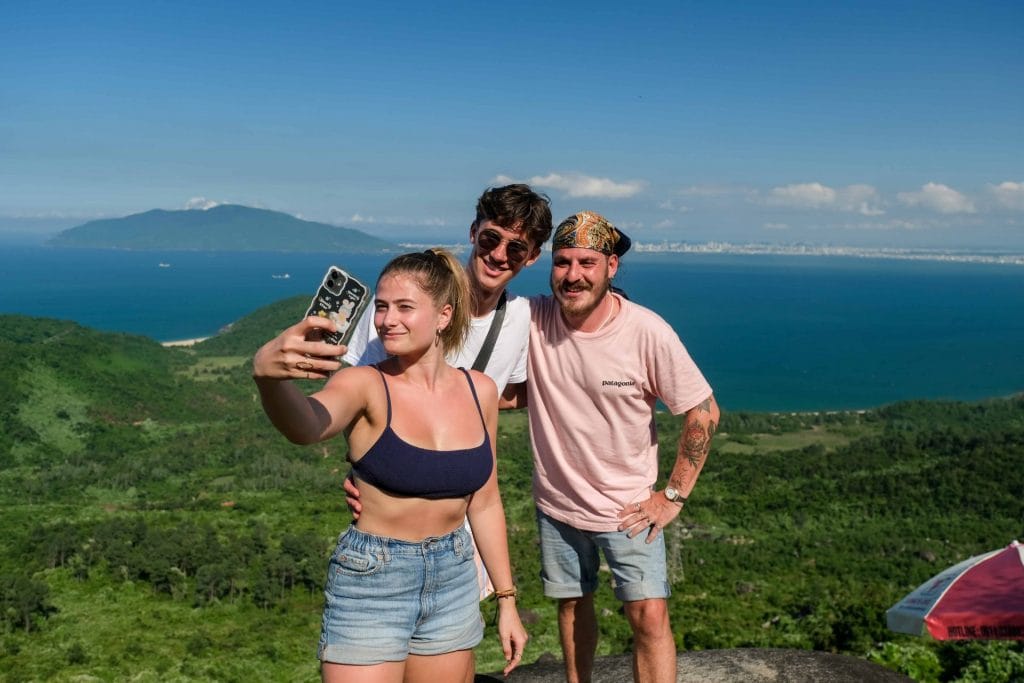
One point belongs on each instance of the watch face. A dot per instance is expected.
(671, 493)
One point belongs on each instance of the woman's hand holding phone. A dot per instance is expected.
(296, 353)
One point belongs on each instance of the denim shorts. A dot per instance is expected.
(570, 562)
(386, 599)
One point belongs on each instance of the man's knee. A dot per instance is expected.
(575, 604)
(648, 618)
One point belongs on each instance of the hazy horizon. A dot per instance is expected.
(19, 231)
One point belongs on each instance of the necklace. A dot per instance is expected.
(611, 314)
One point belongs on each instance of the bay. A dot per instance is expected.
(778, 333)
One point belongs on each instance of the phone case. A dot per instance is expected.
(342, 298)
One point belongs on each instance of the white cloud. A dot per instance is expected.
(359, 218)
(200, 203)
(862, 199)
(1009, 194)
(578, 185)
(662, 225)
(713, 191)
(805, 195)
(938, 197)
(893, 224)
(670, 205)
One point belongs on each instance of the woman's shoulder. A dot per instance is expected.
(484, 385)
(353, 376)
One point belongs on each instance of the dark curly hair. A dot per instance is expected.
(517, 207)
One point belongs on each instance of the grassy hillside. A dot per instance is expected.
(156, 527)
(226, 227)
(244, 336)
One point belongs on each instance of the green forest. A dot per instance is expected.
(156, 527)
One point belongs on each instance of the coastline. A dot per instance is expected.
(184, 342)
(772, 333)
(1011, 258)
(896, 253)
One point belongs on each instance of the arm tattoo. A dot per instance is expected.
(696, 438)
(695, 443)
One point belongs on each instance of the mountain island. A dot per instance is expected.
(227, 227)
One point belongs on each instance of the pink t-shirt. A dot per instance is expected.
(591, 404)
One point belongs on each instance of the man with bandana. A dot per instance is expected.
(597, 364)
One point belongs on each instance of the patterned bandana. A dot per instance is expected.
(588, 230)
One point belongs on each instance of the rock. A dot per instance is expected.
(747, 665)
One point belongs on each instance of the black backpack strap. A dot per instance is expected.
(492, 335)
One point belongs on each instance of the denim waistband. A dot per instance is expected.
(456, 540)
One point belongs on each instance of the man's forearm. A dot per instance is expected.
(513, 397)
(699, 425)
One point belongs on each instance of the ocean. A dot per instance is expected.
(771, 333)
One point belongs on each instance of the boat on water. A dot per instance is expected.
(282, 276)
(165, 265)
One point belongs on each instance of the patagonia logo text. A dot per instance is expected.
(617, 383)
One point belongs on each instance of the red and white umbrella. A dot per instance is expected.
(980, 598)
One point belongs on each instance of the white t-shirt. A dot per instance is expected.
(507, 364)
(591, 403)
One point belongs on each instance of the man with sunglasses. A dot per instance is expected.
(512, 223)
(598, 363)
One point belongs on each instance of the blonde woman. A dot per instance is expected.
(401, 595)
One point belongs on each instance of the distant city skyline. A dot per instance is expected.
(867, 124)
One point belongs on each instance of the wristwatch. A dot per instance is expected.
(674, 496)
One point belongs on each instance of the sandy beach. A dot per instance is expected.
(184, 342)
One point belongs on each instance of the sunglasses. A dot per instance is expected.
(515, 250)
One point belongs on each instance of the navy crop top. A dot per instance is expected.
(398, 467)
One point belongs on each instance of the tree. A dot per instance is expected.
(23, 601)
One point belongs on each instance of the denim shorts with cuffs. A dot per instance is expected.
(570, 562)
(386, 599)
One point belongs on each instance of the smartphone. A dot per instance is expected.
(342, 298)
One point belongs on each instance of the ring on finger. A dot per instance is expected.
(304, 365)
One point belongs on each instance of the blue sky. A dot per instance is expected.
(839, 123)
